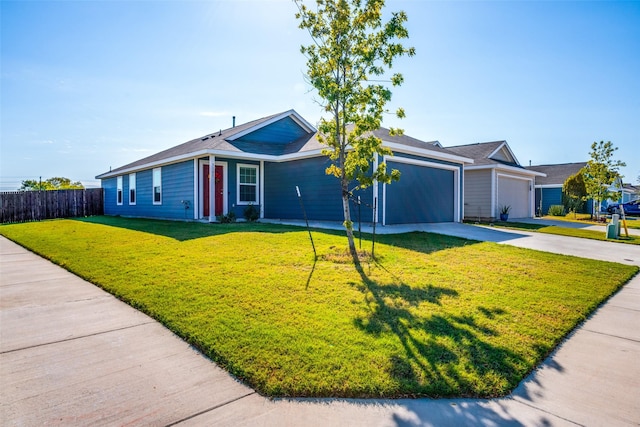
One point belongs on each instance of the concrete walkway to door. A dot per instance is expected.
(71, 354)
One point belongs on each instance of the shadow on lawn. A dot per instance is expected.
(444, 355)
(424, 242)
(183, 231)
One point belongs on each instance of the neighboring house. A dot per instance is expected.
(260, 163)
(495, 179)
(629, 193)
(549, 187)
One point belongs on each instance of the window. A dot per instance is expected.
(132, 188)
(247, 184)
(119, 191)
(157, 186)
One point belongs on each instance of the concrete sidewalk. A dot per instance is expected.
(71, 354)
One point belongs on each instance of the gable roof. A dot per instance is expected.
(278, 137)
(494, 154)
(556, 174)
(221, 141)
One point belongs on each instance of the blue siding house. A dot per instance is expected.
(261, 162)
(549, 187)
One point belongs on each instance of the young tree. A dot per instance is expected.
(600, 172)
(55, 183)
(351, 53)
(575, 192)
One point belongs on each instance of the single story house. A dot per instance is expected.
(261, 163)
(629, 192)
(495, 179)
(549, 187)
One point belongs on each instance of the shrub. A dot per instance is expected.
(251, 213)
(228, 218)
(556, 210)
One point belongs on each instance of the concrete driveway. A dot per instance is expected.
(71, 354)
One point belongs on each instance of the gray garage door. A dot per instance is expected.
(515, 193)
(423, 194)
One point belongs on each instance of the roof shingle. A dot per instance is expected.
(556, 174)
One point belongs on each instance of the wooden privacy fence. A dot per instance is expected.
(23, 206)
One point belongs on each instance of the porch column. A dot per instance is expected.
(212, 188)
(261, 188)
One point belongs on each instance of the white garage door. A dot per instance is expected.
(514, 192)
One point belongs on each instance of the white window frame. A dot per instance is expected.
(257, 184)
(156, 183)
(119, 194)
(132, 189)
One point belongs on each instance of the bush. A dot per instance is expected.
(228, 218)
(556, 210)
(251, 213)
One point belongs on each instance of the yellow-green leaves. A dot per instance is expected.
(348, 65)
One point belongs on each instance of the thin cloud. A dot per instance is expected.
(213, 113)
(135, 150)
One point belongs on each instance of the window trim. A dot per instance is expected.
(119, 191)
(132, 189)
(154, 186)
(238, 184)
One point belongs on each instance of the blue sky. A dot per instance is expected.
(89, 85)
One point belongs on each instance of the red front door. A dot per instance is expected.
(206, 190)
(219, 199)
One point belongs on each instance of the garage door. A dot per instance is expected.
(423, 194)
(514, 192)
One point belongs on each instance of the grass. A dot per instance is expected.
(430, 315)
(632, 222)
(569, 231)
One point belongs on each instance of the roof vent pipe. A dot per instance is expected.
(234, 121)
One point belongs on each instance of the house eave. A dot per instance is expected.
(506, 168)
(221, 153)
(425, 152)
(548, 186)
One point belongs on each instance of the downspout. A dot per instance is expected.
(494, 194)
(375, 189)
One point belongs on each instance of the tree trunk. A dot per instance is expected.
(348, 225)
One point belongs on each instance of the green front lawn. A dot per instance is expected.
(632, 222)
(568, 231)
(430, 316)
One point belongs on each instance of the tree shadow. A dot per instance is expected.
(443, 355)
(313, 269)
(424, 242)
(183, 231)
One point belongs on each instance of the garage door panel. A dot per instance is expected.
(514, 192)
(423, 194)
